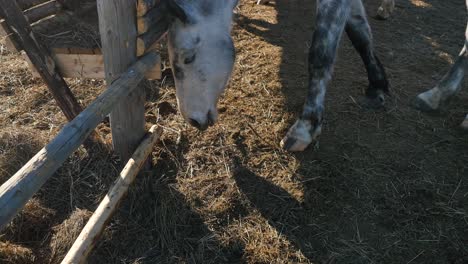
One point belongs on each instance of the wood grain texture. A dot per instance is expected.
(15, 192)
(10, 42)
(41, 59)
(155, 33)
(86, 64)
(41, 11)
(143, 6)
(118, 39)
(88, 237)
(25, 4)
(150, 20)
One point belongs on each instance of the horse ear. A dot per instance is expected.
(177, 10)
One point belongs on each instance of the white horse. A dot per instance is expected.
(202, 57)
(202, 54)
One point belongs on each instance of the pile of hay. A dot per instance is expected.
(16, 148)
(66, 233)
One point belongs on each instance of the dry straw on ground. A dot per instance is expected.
(384, 186)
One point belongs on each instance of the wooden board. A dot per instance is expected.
(146, 41)
(143, 6)
(34, 14)
(26, 4)
(86, 65)
(118, 40)
(10, 43)
(150, 20)
(41, 58)
(20, 187)
(92, 231)
(43, 10)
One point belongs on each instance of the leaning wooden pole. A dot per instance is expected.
(96, 224)
(26, 182)
(117, 24)
(40, 57)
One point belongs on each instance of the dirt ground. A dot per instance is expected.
(387, 186)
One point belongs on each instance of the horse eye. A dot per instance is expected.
(189, 59)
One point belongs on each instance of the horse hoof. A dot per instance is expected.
(464, 125)
(300, 136)
(294, 144)
(422, 105)
(375, 102)
(382, 14)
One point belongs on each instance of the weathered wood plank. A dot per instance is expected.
(147, 40)
(41, 59)
(28, 180)
(86, 65)
(5, 34)
(41, 11)
(32, 15)
(10, 42)
(118, 39)
(143, 6)
(149, 20)
(96, 224)
(25, 4)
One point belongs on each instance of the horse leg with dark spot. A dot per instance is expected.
(450, 84)
(434, 98)
(359, 32)
(330, 22)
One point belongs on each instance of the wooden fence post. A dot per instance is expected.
(17, 190)
(117, 25)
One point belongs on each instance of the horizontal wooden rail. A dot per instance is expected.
(32, 15)
(26, 4)
(15, 193)
(85, 63)
(96, 224)
(41, 58)
(41, 11)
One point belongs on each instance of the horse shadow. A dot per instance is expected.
(346, 203)
(157, 224)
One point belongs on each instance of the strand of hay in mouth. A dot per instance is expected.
(12, 253)
(66, 233)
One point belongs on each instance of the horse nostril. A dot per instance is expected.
(194, 123)
(210, 119)
(197, 124)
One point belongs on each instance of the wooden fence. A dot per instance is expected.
(123, 41)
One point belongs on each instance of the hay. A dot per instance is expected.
(13, 253)
(31, 223)
(66, 233)
(16, 148)
(384, 187)
(70, 30)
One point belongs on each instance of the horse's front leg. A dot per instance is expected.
(330, 23)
